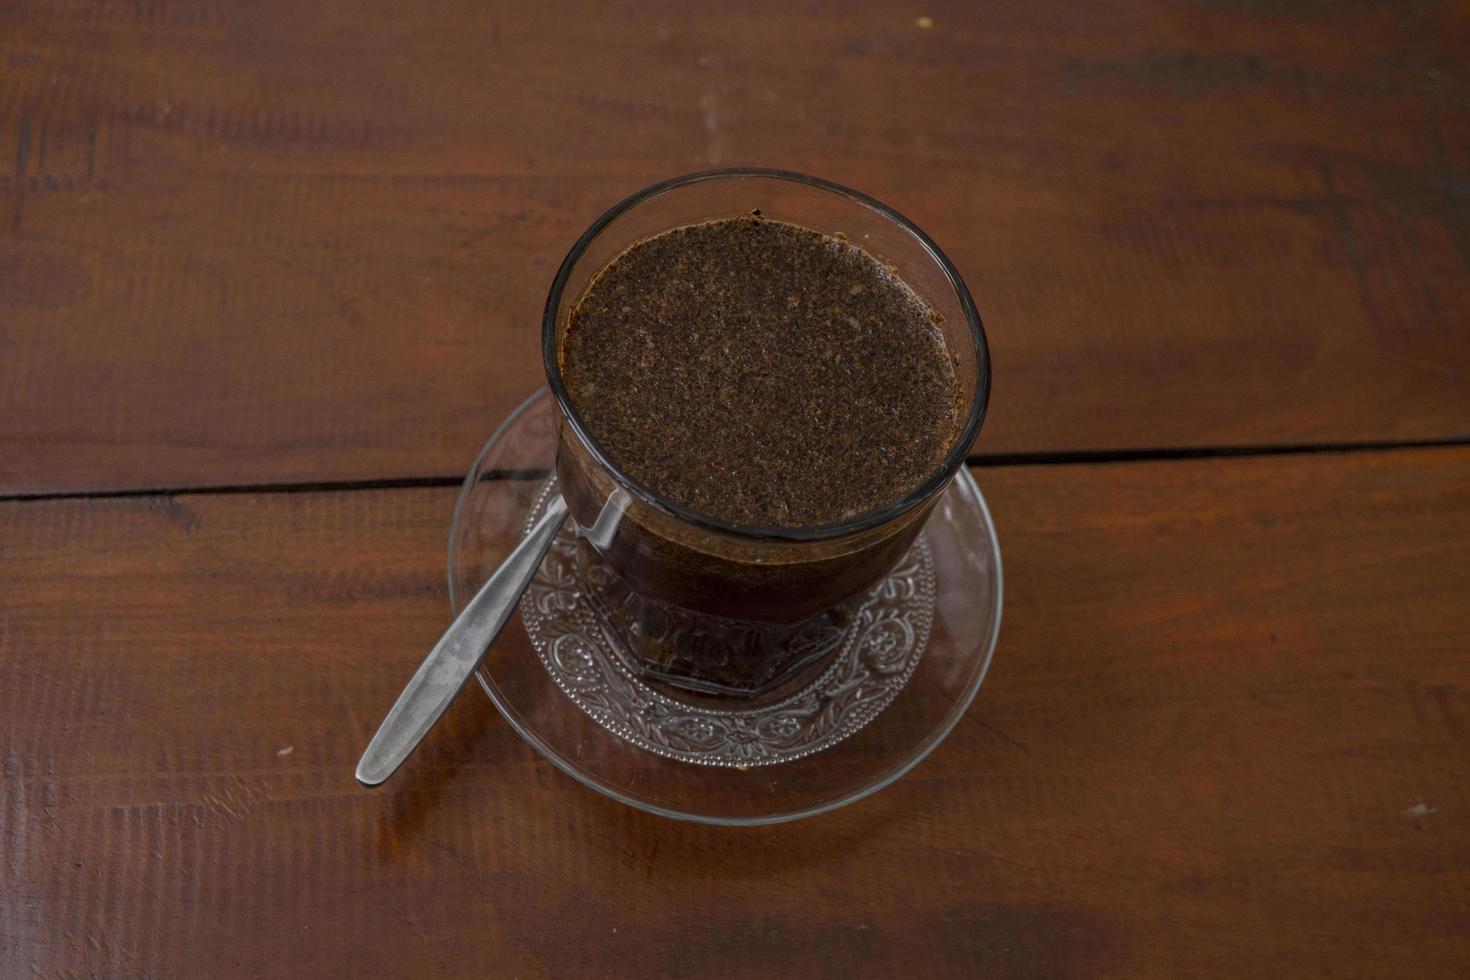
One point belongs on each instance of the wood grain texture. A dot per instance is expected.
(295, 242)
(1227, 732)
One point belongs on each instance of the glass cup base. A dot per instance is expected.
(645, 687)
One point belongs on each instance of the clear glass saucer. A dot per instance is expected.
(904, 668)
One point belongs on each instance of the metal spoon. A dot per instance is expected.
(459, 651)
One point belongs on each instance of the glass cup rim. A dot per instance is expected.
(932, 484)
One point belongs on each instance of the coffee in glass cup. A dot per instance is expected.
(769, 380)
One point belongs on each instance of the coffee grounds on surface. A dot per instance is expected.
(761, 373)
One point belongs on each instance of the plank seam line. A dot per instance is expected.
(983, 460)
(979, 461)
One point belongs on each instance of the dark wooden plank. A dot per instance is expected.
(285, 242)
(1227, 732)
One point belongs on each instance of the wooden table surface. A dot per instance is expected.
(270, 272)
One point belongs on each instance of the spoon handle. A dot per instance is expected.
(458, 652)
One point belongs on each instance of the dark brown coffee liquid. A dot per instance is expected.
(761, 373)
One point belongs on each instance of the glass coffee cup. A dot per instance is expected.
(660, 561)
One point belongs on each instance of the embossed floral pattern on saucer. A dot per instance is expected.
(880, 647)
